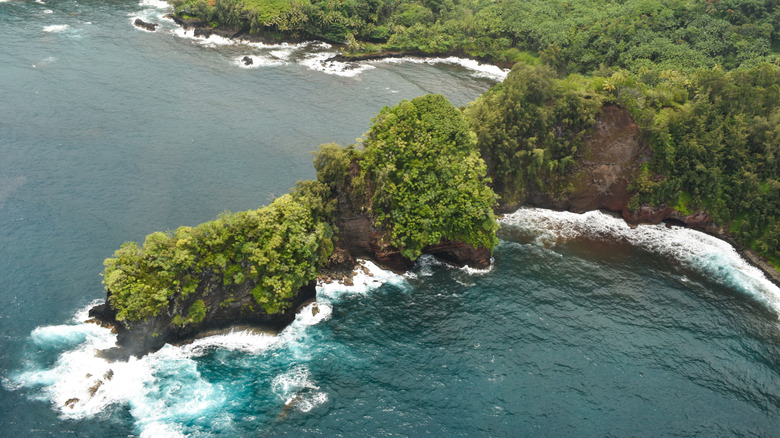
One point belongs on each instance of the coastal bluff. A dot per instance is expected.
(231, 306)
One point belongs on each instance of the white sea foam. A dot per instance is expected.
(707, 254)
(477, 68)
(83, 313)
(162, 430)
(56, 28)
(320, 62)
(258, 61)
(160, 4)
(43, 63)
(282, 47)
(283, 53)
(297, 389)
(45, 11)
(425, 264)
(368, 276)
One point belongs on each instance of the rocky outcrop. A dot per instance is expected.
(226, 306)
(229, 306)
(144, 25)
(359, 239)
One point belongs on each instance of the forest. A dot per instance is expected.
(715, 137)
(573, 36)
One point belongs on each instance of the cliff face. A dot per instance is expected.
(234, 305)
(359, 239)
(612, 156)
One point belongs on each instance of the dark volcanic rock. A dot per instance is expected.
(144, 25)
(226, 307)
(612, 155)
(359, 239)
(247, 60)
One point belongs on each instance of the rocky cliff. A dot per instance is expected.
(613, 154)
(226, 307)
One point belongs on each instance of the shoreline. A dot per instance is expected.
(204, 31)
(751, 257)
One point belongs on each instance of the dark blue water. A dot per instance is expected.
(581, 328)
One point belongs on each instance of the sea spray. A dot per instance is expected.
(478, 69)
(56, 28)
(696, 250)
(166, 392)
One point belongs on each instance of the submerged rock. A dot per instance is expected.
(144, 25)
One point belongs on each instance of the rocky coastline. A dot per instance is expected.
(203, 30)
(234, 305)
(614, 151)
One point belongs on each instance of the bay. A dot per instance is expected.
(108, 133)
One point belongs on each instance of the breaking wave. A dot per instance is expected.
(693, 249)
(167, 392)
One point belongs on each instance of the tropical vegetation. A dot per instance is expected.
(275, 250)
(420, 175)
(570, 36)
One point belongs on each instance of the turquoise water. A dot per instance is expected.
(582, 327)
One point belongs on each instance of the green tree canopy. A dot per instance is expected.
(277, 248)
(429, 182)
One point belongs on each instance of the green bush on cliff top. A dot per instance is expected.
(277, 249)
(421, 175)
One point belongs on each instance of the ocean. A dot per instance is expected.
(581, 327)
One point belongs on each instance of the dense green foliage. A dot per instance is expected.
(429, 180)
(195, 314)
(715, 134)
(569, 36)
(716, 138)
(529, 129)
(422, 175)
(277, 249)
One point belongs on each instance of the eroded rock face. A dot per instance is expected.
(358, 239)
(226, 306)
(612, 155)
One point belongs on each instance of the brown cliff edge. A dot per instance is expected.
(613, 154)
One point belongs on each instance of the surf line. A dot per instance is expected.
(705, 253)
